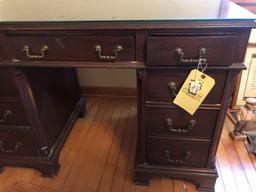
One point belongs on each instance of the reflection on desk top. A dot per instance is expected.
(120, 10)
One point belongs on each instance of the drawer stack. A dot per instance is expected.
(171, 128)
(171, 141)
(16, 137)
(171, 132)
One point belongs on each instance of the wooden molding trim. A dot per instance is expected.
(250, 45)
(246, 4)
(109, 91)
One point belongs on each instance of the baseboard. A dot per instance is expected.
(109, 92)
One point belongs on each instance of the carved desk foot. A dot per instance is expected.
(49, 170)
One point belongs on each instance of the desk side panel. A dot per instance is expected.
(56, 94)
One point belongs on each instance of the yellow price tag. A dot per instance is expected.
(193, 91)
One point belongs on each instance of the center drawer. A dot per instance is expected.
(163, 85)
(177, 152)
(177, 122)
(73, 48)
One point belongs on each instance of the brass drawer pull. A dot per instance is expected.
(174, 159)
(14, 150)
(180, 53)
(190, 125)
(41, 55)
(6, 115)
(117, 49)
(172, 88)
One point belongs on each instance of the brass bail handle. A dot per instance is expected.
(30, 55)
(117, 49)
(172, 89)
(190, 125)
(176, 159)
(15, 149)
(180, 53)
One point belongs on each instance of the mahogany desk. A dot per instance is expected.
(42, 44)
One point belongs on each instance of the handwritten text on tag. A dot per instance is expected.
(193, 91)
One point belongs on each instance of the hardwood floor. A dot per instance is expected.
(99, 155)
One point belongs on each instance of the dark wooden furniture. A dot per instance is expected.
(40, 99)
(38, 108)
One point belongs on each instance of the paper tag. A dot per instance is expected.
(193, 91)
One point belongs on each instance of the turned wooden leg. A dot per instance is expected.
(1, 168)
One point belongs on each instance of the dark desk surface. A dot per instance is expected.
(120, 10)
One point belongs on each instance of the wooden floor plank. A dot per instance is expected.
(6, 181)
(105, 147)
(179, 185)
(28, 187)
(140, 188)
(129, 184)
(126, 145)
(235, 162)
(244, 157)
(225, 169)
(80, 171)
(105, 180)
(219, 186)
(166, 185)
(190, 187)
(155, 184)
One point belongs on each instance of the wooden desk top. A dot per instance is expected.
(120, 10)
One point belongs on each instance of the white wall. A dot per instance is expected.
(253, 36)
(107, 77)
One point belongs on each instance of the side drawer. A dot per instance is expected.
(1, 54)
(12, 113)
(177, 152)
(220, 49)
(159, 81)
(7, 86)
(72, 48)
(18, 143)
(177, 122)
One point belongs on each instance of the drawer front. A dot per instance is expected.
(177, 152)
(73, 48)
(17, 143)
(1, 54)
(7, 86)
(159, 85)
(220, 50)
(177, 122)
(12, 113)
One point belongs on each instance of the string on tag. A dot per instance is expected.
(201, 66)
(195, 85)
